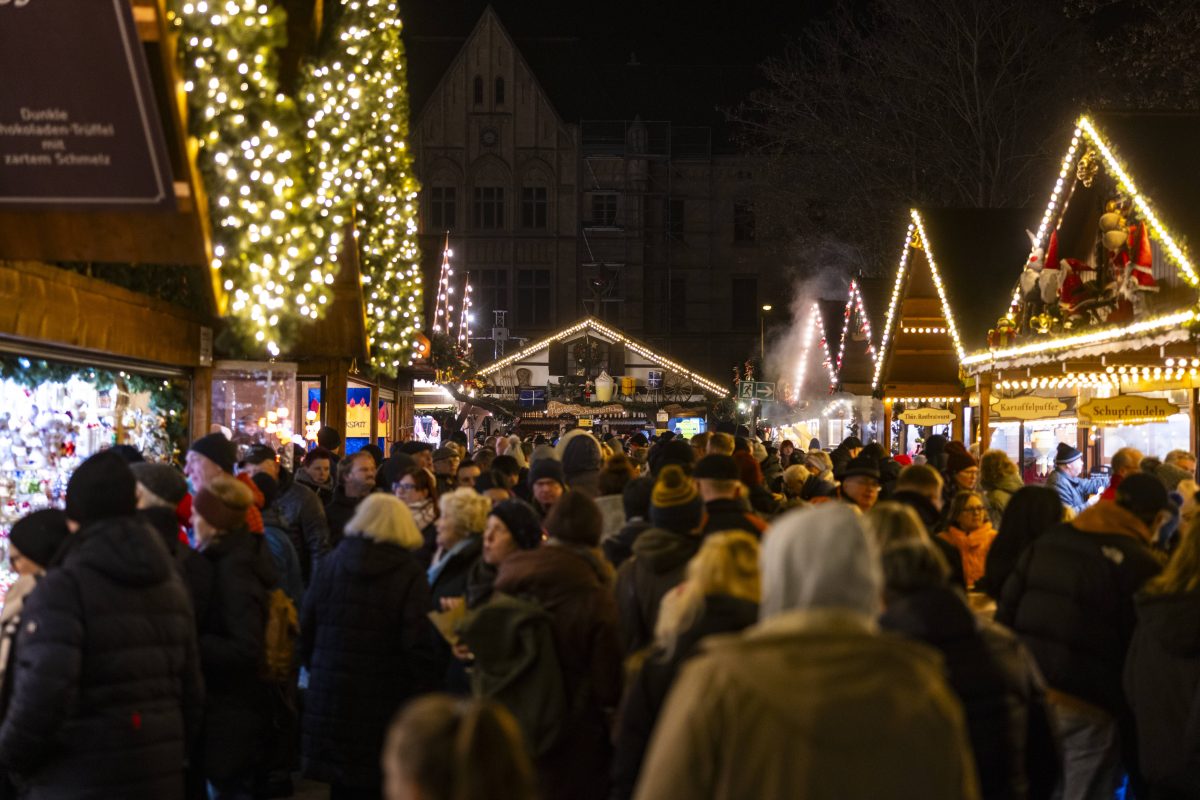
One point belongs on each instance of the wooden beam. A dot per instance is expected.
(985, 412)
(51, 305)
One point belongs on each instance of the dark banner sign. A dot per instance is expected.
(79, 127)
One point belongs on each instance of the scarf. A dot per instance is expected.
(423, 513)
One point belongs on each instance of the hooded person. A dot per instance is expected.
(76, 725)
(582, 460)
(636, 501)
(160, 490)
(660, 556)
(935, 451)
(813, 701)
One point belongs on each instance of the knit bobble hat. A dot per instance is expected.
(522, 522)
(675, 504)
(162, 480)
(216, 448)
(1066, 454)
(101, 487)
(39, 535)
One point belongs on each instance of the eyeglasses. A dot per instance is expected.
(406, 487)
(974, 509)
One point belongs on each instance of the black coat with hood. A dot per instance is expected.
(658, 565)
(645, 696)
(1009, 722)
(303, 520)
(932, 519)
(369, 648)
(107, 693)
(1162, 684)
(339, 511)
(237, 706)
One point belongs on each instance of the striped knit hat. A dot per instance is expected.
(675, 505)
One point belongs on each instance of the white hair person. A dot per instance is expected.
(385, 519)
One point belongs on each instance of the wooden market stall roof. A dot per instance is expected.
(950, 271)
(1151, 160)
(856, 343)
(591, 325)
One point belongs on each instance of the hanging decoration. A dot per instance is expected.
(267, 237)
(356, 103)
(464, 322)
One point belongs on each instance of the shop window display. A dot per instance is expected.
(56, 415)
(252, 404)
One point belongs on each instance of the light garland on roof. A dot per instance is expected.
(854, 303)
(894, 304)
(594, 325)
(1068, 380)
(1084, 127)
(915, 239)
(464, 322)
(1083, 339)
(267, 237)
(357, 103)
(442, 308)
(815, 323)
(942, 399)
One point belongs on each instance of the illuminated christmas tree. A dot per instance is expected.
(356, 101)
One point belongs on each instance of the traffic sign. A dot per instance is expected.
(756, 390)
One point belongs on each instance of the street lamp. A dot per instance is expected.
(762, 333)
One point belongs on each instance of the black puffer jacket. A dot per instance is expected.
(645, 696)
(303, 518)
(1162, 682)
(237, 707)
(192, 567)
(931, 518)
(1001, 691)
(658, 565)
(107, 689)
(338, 512)
(1070, 599)
(370, 647)
(451, 579)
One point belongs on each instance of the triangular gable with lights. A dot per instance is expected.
(855, 363)
(591, 325)
(920, 348)
(1152, 249)
(813, 336)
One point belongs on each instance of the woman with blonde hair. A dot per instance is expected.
(443, 748)
(368, 645)
(719, 595)
(1162, 674)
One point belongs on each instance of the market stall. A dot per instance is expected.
(1103, 313)
(950, 265)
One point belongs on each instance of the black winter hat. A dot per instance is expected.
(216, 448)
(860, 467)
(257, 454)
(639, 439)
(717, 467)
(677, 452)
(1144, 495)
(1066, 454)
(39, 535)
(102, 487)
(546, 468)
(636, 498)
(268, 486)
(522, 522)
(162, 479)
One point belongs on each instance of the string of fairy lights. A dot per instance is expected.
(267, 237)
(813, 327)
(286, 188)
(357, 127)
(855, 305)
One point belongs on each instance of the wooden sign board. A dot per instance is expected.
(1127, 410)
(1028, 407)
(79, 126)
(927, 416)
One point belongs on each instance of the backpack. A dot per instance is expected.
(516, 664)
(279, 639)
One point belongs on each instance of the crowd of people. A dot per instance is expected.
(605, 617)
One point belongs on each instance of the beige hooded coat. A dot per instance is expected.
(813, 702)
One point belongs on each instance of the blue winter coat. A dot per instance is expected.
(369, 647)
(1074, 492)
(106, 685)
